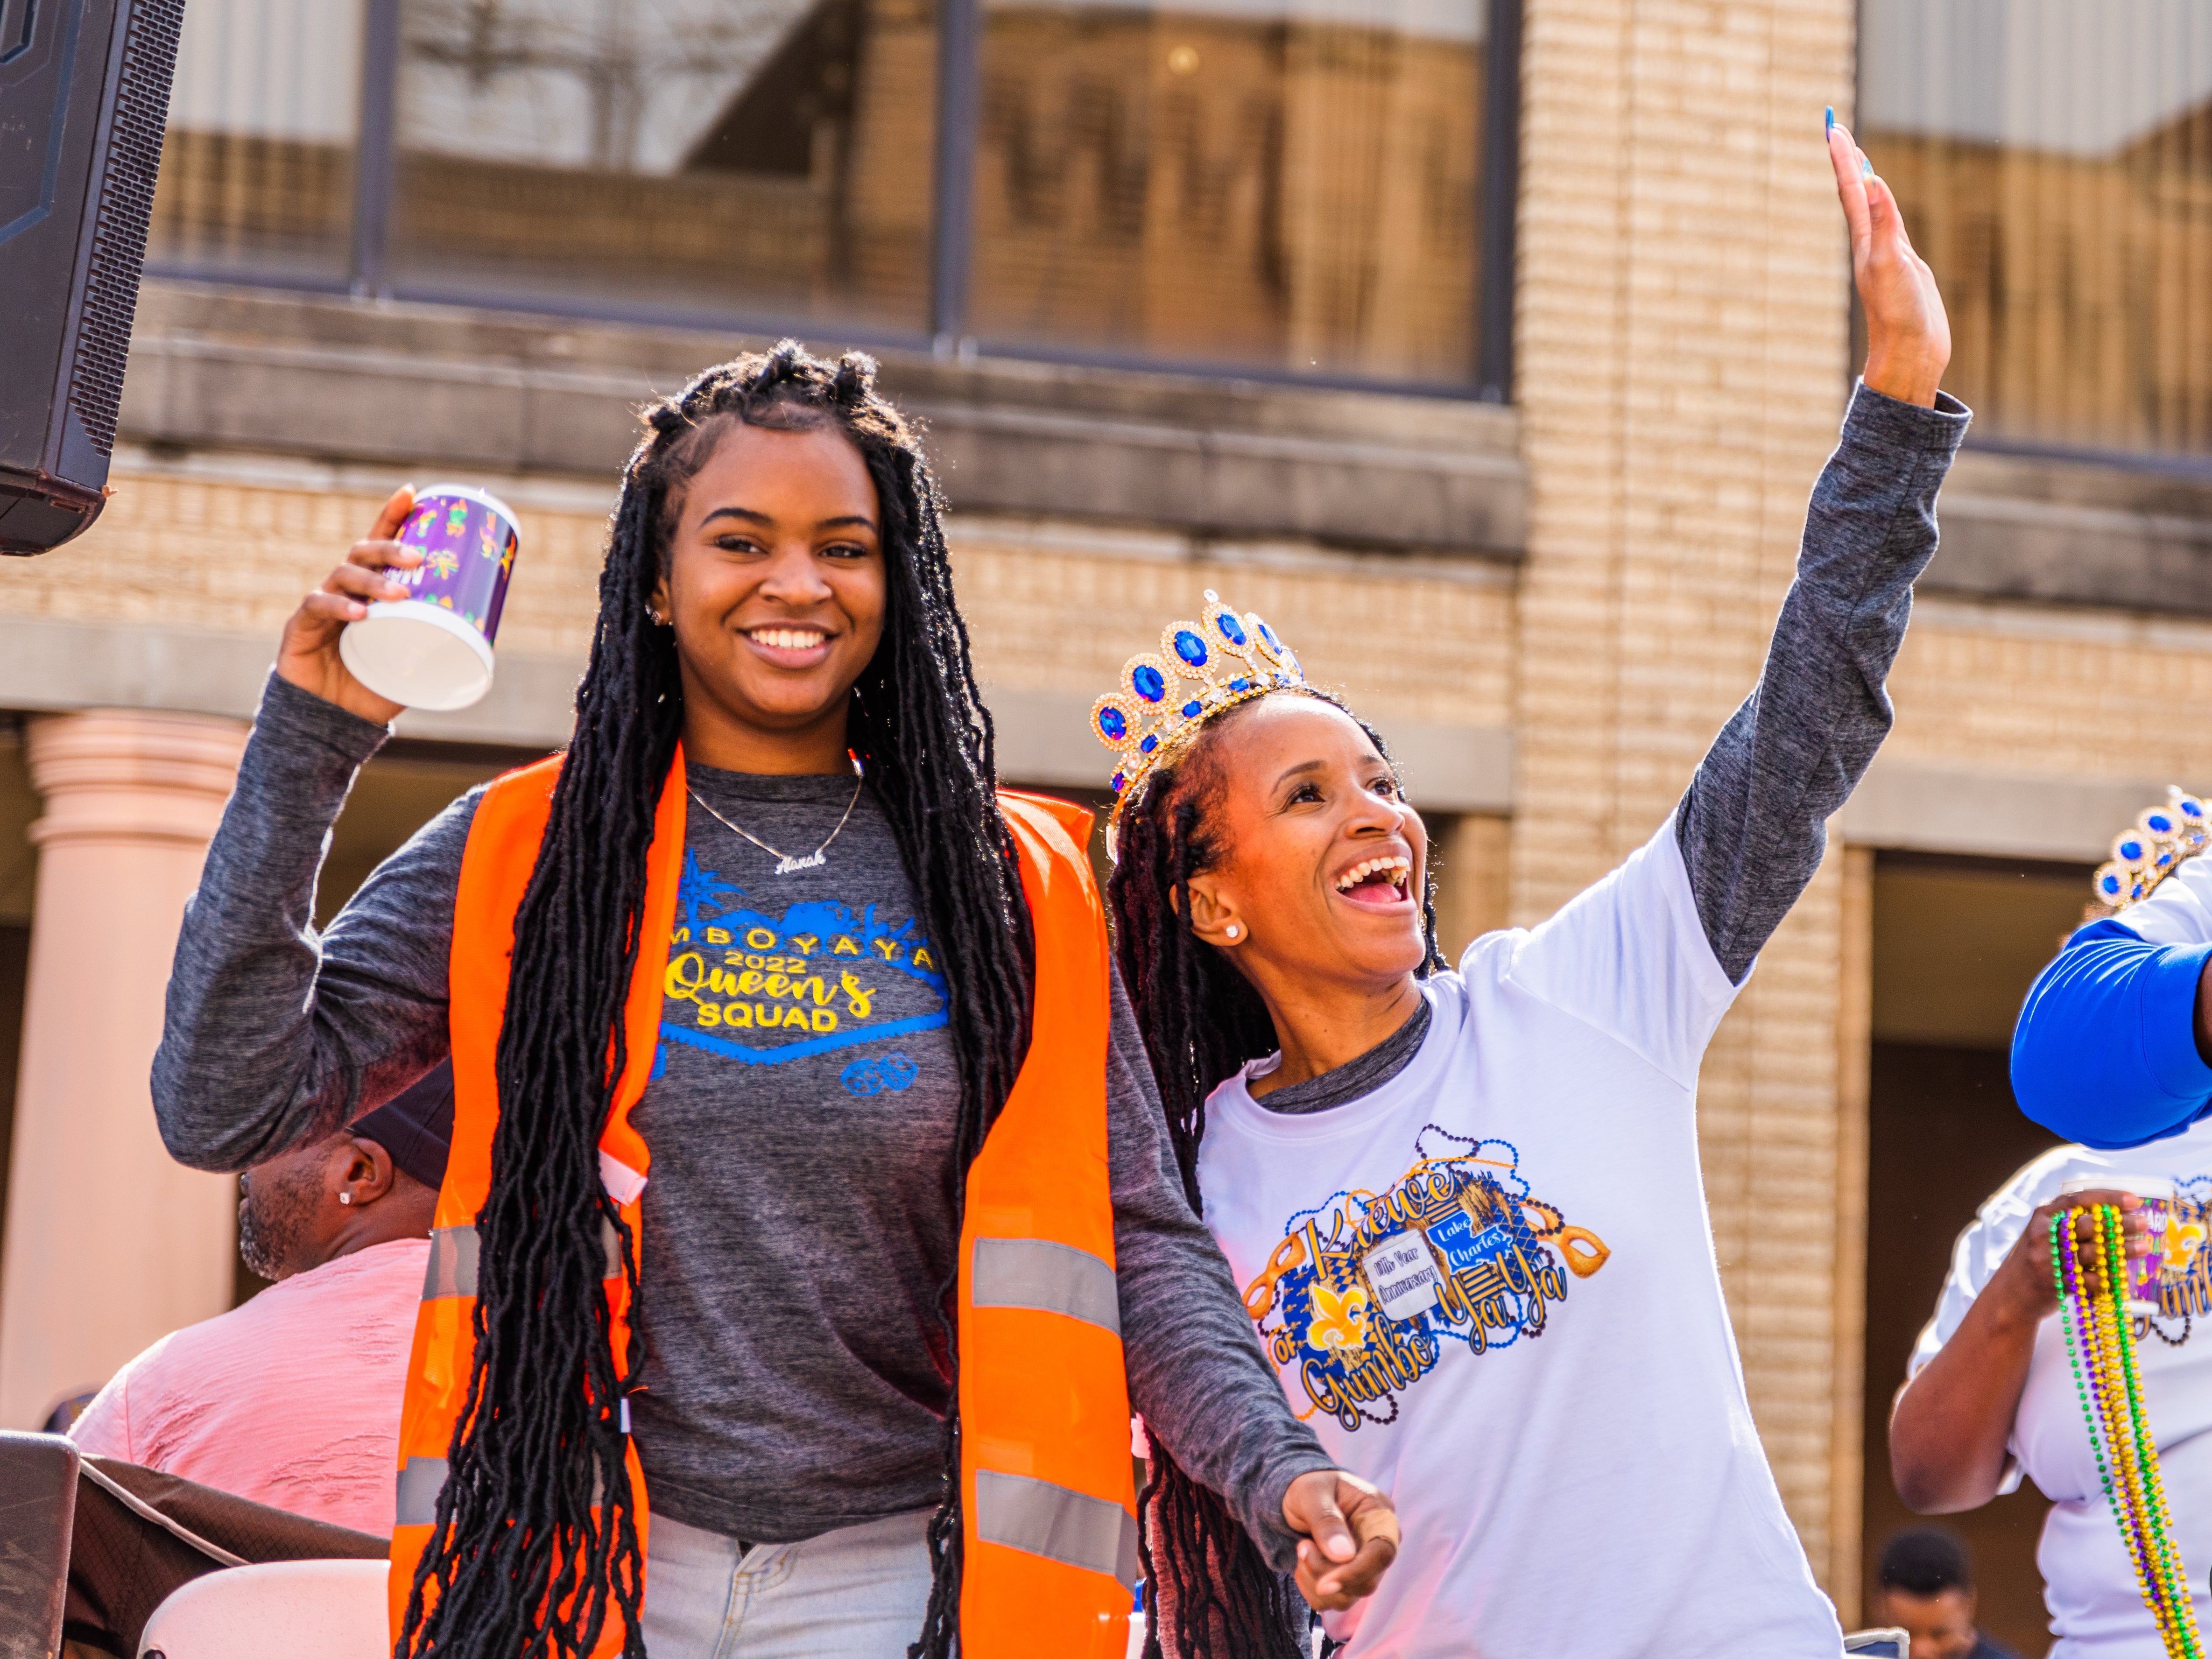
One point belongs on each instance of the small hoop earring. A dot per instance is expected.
(1231, 930)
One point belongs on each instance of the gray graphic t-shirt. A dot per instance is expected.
(795, 1004)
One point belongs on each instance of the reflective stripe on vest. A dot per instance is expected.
(1037, 1515)
(452, 1270)
(1038, 1272)
(421, 1480)
(1048, 1502)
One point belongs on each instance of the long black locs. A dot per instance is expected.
(535, 1541)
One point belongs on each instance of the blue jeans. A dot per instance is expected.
(857, 1592)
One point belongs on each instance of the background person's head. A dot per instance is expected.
(374, 1183)
(1928, 1588)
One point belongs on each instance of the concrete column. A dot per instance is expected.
(109, 1243)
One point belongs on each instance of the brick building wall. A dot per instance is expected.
(1054, 607)
(2062, 691)
(1682, 336)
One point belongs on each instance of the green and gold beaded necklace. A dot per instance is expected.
(2100, 1340)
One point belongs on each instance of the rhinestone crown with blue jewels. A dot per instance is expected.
(1202, 669)
(2154, 848)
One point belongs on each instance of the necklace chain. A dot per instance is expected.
(2101, 1349)
(787, 862)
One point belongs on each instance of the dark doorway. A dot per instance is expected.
(1956, 943)
(1944, 1134)
(15, 972)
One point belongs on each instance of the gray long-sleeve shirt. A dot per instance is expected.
(1754, 823)
(800, 1221)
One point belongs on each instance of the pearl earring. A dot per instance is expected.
(1232, 930)
(345, 1198)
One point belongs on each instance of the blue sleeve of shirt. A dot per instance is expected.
(2106, 1050)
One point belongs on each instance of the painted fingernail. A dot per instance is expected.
(1831, 126)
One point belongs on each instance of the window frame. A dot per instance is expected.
(2191, 465)
(949, 336)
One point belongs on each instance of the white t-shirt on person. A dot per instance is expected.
(2089, 1584)
(1517, 1329)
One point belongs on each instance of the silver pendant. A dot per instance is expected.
(813, 860)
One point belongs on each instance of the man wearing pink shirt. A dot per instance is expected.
(293, 1400)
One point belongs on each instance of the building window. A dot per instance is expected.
(1313, 190)
(1290, 185)
(2054, 160)
(257, 170)
(692, 156)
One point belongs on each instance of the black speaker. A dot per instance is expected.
(84, 95)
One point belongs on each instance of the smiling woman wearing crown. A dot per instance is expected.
(1464, 1203)
(807, 1173)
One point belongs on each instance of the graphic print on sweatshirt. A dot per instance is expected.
(819, 977)
(2185, 1268)
(1362, 1298)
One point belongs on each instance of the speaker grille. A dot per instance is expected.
(124, 207)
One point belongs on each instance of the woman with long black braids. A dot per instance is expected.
(1465, 1202)
(807, 1174)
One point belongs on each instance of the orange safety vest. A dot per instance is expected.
(1048, 1508)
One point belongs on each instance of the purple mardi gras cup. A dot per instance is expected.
(2157, 1210)
(433, 649)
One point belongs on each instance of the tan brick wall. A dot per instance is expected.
(1050, 605)
(1682, 363)
(235, 557)
(1064, 606)
(2054, 692)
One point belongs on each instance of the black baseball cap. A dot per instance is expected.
(416, 1126)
